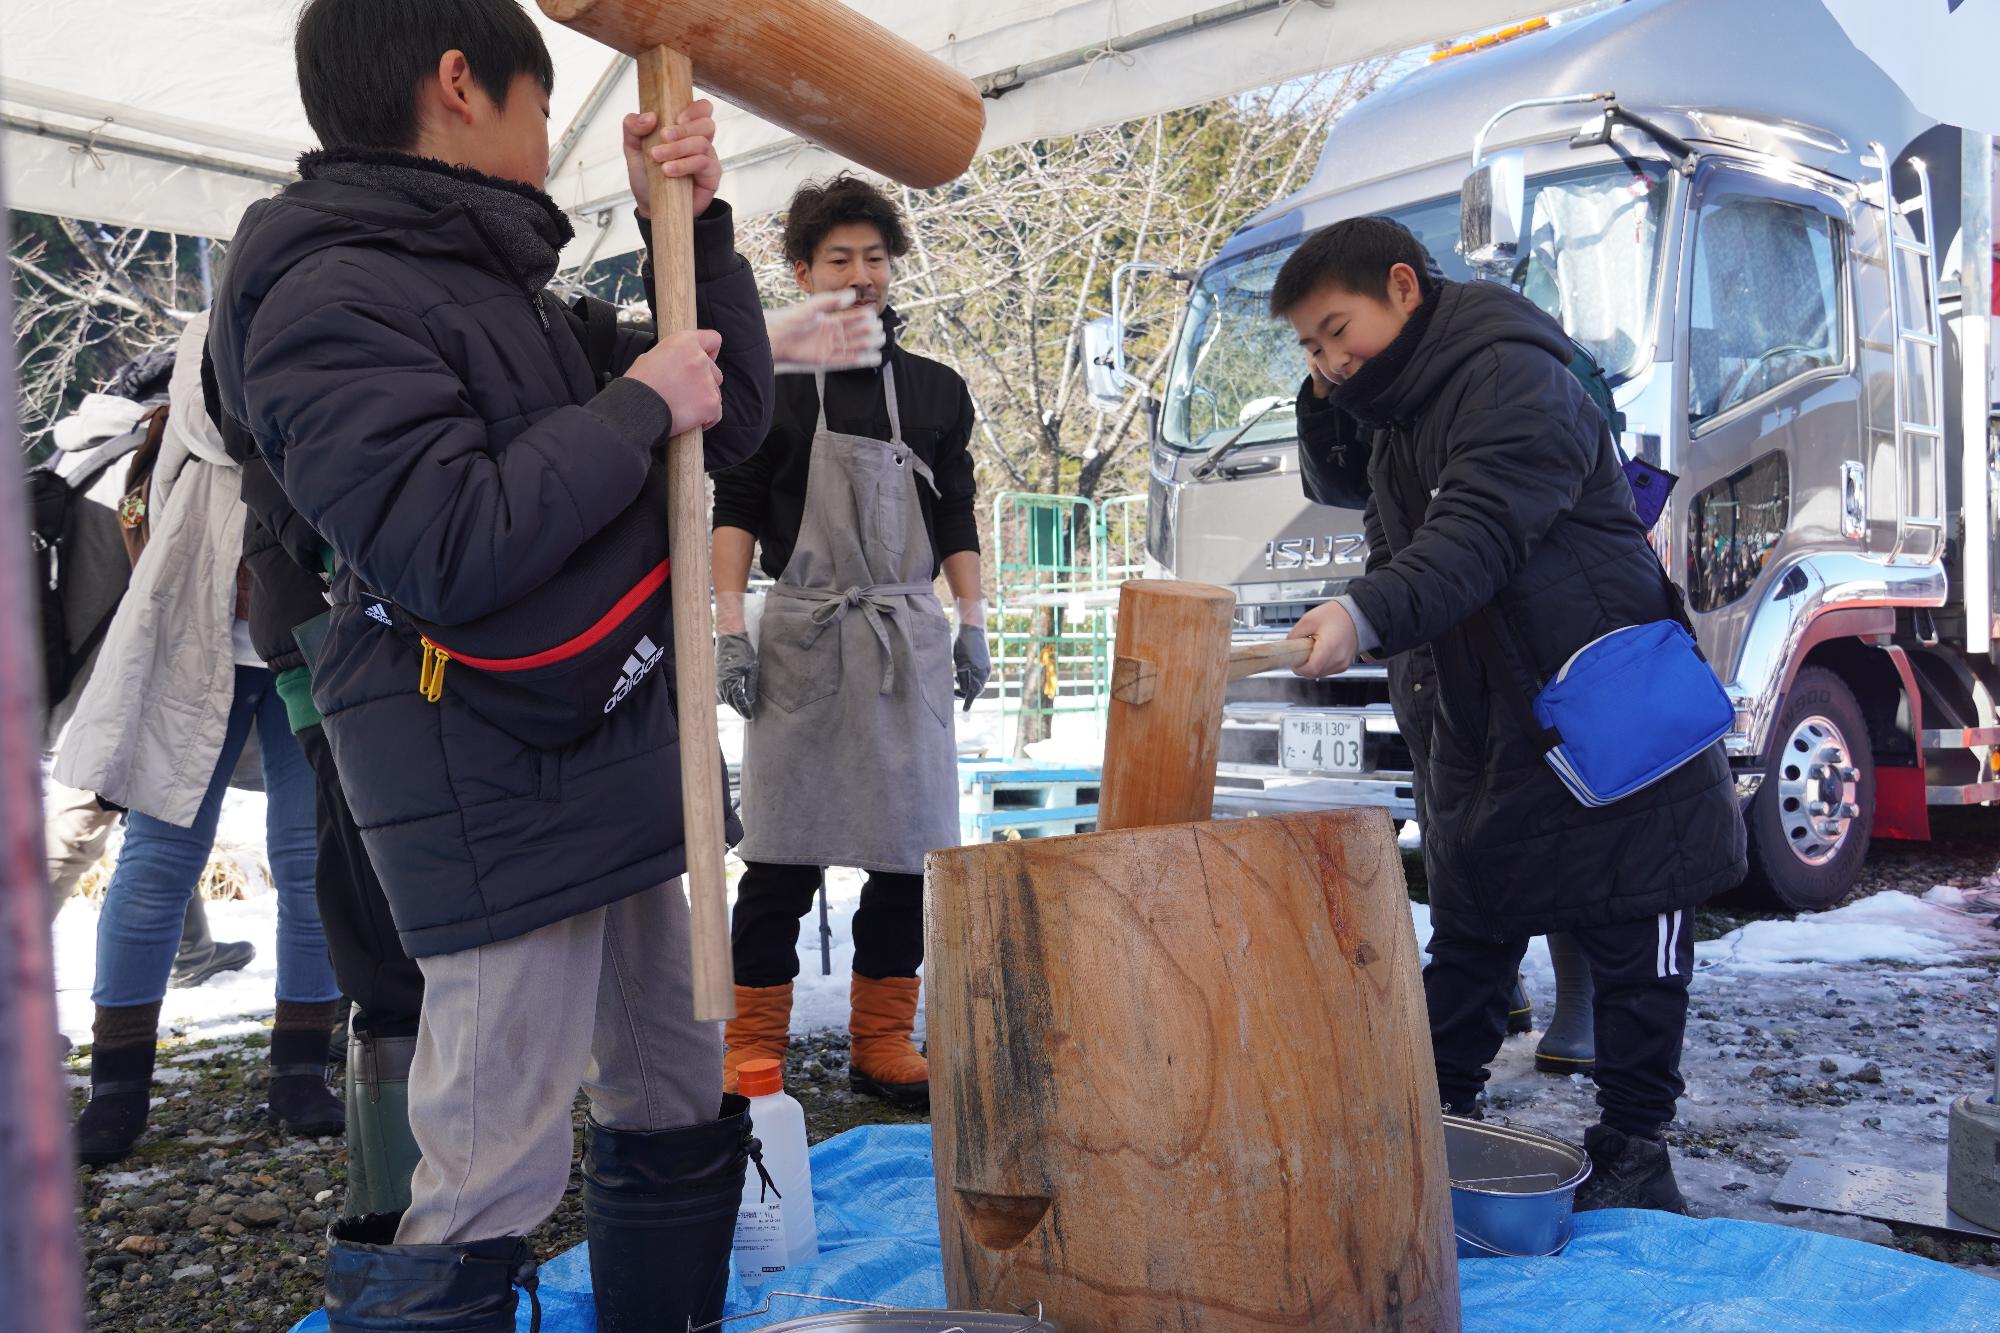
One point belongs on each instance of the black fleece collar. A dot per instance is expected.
(1368, 394)
(525, 227)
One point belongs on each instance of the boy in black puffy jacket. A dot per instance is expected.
(1499, 514)
(428, 409)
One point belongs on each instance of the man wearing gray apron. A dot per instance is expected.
(860, 496)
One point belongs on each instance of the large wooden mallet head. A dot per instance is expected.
(816, 67)
(822, 70)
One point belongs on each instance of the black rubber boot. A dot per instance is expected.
(1570, 1044)
(1520, 1009)
(199, 956)
(659, 1209)
(374, 1285)
(381, 1151)
(121, 1087)
(300, 1101)
(1628, 1171)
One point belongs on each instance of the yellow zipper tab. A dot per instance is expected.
(430, 676)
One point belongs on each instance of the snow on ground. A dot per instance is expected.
(1844, 1035)
(239, 1002)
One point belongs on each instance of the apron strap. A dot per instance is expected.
(895, 440)
(875, 601)
(888, 395)
(921, 468)
(889, 400)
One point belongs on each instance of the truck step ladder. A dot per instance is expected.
(1919, 434)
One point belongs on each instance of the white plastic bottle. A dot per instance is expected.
(774, 1227)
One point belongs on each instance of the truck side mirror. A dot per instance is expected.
(1490, 208)
(1103, 383)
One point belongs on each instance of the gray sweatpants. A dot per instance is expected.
(510, 1031)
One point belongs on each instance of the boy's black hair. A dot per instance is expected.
(361, 61)
(1355, 255)
(820, 206)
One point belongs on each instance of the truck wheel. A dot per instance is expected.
(1811, 820)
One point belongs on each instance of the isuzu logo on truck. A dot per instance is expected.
(1347, 548)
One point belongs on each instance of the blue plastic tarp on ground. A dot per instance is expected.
(1625, 1270)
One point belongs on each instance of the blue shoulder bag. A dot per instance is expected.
(1626, 710)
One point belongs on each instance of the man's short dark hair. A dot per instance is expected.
(361, 61)
(1353, 255)
(820, 206)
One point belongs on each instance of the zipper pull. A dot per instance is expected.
(541, 313)
(430, 676)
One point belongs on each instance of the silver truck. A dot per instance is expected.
(1786, 271)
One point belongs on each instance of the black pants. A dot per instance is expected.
(770, 900)
(1640, 971)
(368, 958)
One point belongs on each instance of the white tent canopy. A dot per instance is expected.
(176, 114)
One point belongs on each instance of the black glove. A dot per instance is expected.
(970, 662)
(736, 673)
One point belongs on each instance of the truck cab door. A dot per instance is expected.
(1771, 442)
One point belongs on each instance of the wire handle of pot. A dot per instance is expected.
(765, 1308)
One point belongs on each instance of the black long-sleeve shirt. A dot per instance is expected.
(766, 496)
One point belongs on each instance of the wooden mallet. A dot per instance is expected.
(828, 74)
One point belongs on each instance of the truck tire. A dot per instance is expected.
(1811, 820)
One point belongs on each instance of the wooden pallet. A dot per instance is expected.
(1001, 799)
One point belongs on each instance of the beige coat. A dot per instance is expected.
(149, 728)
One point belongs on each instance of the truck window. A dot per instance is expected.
(1733, 527)
(1765, 305)
(1591, 261)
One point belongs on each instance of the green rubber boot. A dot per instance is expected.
(381, 1152)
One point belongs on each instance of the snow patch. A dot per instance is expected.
(1887, 927)
(131, 1180)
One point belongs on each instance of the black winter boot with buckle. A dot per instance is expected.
(1628, 1171)
(300, 1101)
(659, 1209)
(1570, 1044)
(374, 1285)
(121, 1082)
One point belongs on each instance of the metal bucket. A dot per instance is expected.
(1511, 1189)
(912, 1321)
(864, 1317)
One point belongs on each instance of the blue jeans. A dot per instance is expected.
(161, 864)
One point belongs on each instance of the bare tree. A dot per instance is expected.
(1012, 260)
(88, 299)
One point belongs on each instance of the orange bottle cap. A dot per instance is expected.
(760, 1078)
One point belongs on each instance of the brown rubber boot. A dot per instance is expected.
(760, 1030)
(884, 1062)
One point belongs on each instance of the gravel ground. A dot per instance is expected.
(217, 1222)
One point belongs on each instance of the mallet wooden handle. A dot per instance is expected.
(1250, 658)
(666, 87)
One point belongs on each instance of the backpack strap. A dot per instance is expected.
(1491, 636)
(595, 324)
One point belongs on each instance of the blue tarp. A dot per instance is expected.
(1625, 1270)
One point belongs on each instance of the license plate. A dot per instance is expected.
(1322, 743)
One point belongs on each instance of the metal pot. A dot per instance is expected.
(863, 1317)
(1511, 1189)
(913, 1321)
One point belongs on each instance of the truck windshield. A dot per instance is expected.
(1590, 259)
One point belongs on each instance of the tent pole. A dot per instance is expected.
(40, 1258)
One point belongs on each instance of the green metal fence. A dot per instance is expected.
(1057, 565)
